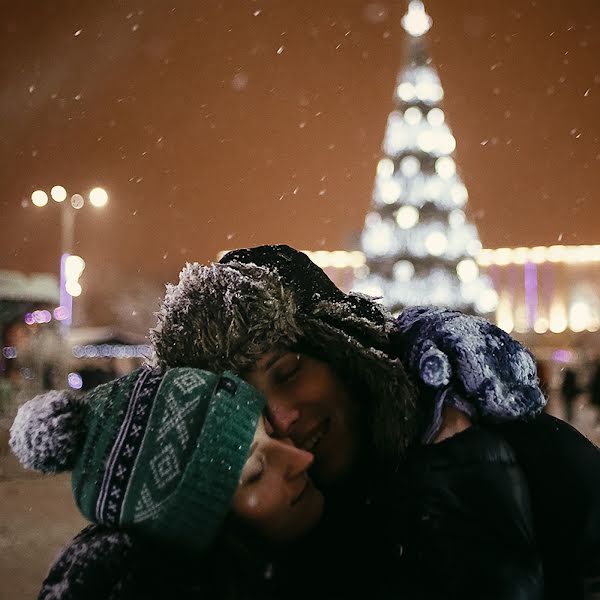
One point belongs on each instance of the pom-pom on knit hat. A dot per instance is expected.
(158, 452)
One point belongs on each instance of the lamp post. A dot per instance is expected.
(71, 265)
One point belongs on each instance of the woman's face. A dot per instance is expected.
(308, 403)
(275, 495)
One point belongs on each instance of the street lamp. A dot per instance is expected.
(71, 266)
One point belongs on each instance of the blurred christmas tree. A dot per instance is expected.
(418, 242)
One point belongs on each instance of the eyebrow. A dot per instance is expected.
(272, 360)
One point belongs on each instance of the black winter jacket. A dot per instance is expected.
(460, 522)
(562, 469)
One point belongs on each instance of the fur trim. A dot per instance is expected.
(223, 317)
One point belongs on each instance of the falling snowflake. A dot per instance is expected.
(239, 81)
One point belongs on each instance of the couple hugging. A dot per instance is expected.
(293, 441)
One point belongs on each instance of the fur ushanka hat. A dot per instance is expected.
(227, 315)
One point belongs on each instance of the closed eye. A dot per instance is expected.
(253, 470)
(287, 368)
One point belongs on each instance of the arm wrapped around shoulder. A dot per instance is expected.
(94, 565)
(468, 523)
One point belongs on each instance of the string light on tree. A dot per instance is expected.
(417, 240)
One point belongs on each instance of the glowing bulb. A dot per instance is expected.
(39, 198)
(416, 21)
(74, 266)
(435, 117)
(389, 190)
(467, 270)
(58, 193)
(406, 91)
(98, 197)
(446, 143)
(537, 254)
(403, 271)
(540, 325)
(558, 317)
(456, 218)
(503, 256)
(407, 217)
(75, 381)
(436, 243)
(77, 201)
(413, 115)
(556, 253)
(487, 301)
(459, 194)
(579, 316)
(504, 317)
(61, 313)
(73, 288)
(445, 167)
(385, 167)
(519, 255)
(410, 166)
(429, 91)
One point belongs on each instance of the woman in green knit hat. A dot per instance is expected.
(165, 458)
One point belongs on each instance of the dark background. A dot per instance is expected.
(206, 137)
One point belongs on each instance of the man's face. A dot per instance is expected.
(308, 403)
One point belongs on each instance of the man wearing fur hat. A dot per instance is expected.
(444, 464)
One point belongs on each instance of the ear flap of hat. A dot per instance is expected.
(48, 431)
(434, 366)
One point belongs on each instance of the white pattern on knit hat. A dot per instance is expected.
(165, 466)
(146, 508)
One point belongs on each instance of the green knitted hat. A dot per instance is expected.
(160, 452)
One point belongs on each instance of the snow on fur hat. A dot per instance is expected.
(227, 315)
(469, 363)
(158, 452)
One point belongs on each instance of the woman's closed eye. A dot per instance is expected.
(253, 470)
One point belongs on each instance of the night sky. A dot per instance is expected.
(218, 124)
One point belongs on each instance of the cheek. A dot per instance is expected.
(262, 502)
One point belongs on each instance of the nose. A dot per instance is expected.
(294, 460)
(282, 416)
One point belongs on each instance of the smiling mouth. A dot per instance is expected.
(311, 443)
